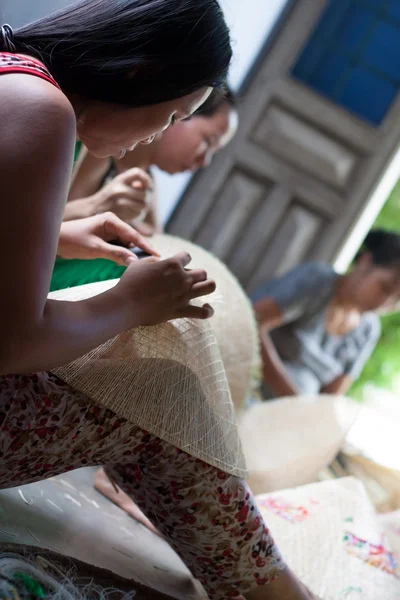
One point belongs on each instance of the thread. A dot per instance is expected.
(37, 577)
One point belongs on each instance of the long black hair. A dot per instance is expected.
(383, 246)
(132, 52)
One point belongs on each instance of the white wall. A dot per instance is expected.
(19, 12)
(250, 20)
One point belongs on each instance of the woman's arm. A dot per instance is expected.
(275, 375)
(150, 292)
(88, 175)
(151, 223)
(340, 385)
(126, 196)
(38, 136)
(354, 366)
(152, 218)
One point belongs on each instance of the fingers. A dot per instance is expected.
(196, 279)
(121, 256)
(196, 275)
(204, 288)
(137, 178)
(143, 244)
(131, 203)
(196, 312)
(116, 229)
(149, 260)
(138, 185)
(143, 228)
(129, 196)
(136, 263)
(182, 258)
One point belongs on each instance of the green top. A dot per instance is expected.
(69, 273)
(78, 147)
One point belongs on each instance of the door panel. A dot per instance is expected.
(235, 206)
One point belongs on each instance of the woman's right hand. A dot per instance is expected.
(155, 291)
(127, 196)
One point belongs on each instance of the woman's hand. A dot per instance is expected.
(154, 291)
(127, 196)
(145, 229)
(90, 238)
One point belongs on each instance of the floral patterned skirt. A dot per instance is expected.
(209, 517)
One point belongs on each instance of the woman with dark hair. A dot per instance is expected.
(318, 328)
(117, 72)
(121, 186)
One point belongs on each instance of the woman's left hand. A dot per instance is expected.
(90, 238)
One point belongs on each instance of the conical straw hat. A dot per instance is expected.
(233, 323)
(170, 379)
(288, 442)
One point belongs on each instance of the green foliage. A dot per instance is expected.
(383, 368)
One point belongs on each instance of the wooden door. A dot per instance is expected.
(312, 144)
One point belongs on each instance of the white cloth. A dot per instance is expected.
(314, 547)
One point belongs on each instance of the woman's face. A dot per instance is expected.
(190, 145)
(112, 130)
(377, 288)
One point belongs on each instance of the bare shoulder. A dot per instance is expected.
(37, 132)
(34, 114)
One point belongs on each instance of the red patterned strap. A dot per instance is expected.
(15, 63)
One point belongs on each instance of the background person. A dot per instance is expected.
(318, 328)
